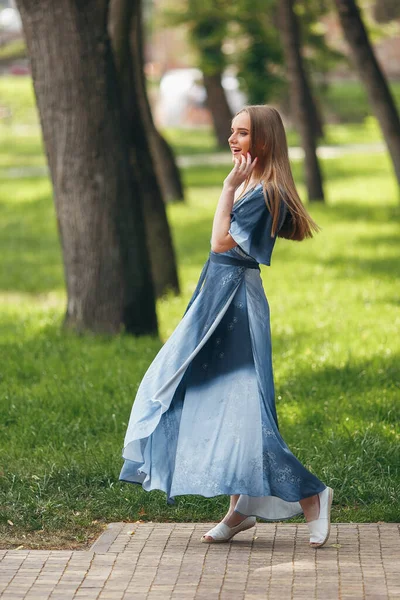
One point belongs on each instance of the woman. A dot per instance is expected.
(204, 418)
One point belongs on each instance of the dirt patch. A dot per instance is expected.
(51, 540)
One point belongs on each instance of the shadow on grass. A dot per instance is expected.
(338, 392)
(65, 413)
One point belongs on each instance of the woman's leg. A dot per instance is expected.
(231, 518)
(310, 507)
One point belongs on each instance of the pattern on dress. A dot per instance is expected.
(204, 418)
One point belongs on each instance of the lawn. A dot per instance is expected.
(65, 400)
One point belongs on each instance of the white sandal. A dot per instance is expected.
(222, 532)
(320, 528)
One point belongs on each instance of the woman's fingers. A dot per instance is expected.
(246, 164)
(253, 164)
(243, 166)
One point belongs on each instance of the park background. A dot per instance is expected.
(67, 385)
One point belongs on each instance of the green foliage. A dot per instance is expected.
(380, 19)
(208, 36)
(259, 54)
(207, 23)
(319, 58)
(249, 29)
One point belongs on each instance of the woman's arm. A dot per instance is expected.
(221, 240)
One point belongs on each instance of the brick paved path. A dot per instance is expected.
(167, 561)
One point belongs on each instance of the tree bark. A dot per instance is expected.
(371, 75)
(164, 160)
(102, 232)
(301, 99)
(166, 167)
(315, 111)
(219, 108)
(123, 13)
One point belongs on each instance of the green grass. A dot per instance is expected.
(13, 50)
(65, 400)
(17, 96)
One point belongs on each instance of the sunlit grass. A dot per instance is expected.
(65, 400)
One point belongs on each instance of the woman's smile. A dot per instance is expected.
(239, 140)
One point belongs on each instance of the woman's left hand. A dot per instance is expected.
(241, 170)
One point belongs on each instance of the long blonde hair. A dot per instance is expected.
(268, 142)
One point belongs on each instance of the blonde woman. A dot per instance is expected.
(204, 419)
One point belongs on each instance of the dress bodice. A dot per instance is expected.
(251, 227)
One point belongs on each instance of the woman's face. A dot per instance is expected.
(239, 140)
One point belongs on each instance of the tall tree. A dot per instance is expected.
(258, 53)
(301, 98)
(371, 75)
(163, 157)
(159, 241)
(207, 22)
(99, 210)
(208, 34)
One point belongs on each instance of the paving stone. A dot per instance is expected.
(167, 561)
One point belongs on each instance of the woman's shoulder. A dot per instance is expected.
(261, 197)
(253, 194)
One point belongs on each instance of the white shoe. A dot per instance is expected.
(222, 532)
(320, 528)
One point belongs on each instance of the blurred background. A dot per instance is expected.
(252, 64)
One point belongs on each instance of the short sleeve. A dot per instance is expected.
(251, 226)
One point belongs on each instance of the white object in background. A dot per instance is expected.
(182, 88)
(10, 20)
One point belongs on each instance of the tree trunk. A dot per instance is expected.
(301, 99)
(218, 105)
(371, 75)
(164, 160)
(159, 242)
(166, 167)
(315, 110)
(101, 228)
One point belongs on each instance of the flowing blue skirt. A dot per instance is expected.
(204, 419)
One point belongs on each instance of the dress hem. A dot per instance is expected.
(278, 519)
(171, 501)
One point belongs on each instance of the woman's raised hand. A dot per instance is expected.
(242, 169)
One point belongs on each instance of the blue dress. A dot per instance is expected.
(204, 419)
